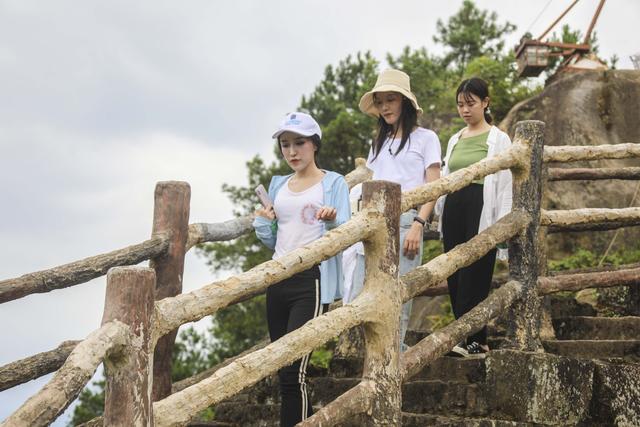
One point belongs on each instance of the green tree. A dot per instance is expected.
(237, 328)
(505, 88)
(431, 81)
(191, 354)
(471, 33)
(334, 104)
(90, 404)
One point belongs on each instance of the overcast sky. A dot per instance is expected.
(100, 100)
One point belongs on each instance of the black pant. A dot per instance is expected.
(470, 285)
(290, 304)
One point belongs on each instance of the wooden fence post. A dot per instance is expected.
(523, 319)
(171, 216)
(382, 346)
(129, 299)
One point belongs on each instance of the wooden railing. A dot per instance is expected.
(134, 324)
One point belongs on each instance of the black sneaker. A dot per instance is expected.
(475, 348)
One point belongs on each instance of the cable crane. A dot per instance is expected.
(532, 55)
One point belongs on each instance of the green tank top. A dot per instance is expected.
(469, 151)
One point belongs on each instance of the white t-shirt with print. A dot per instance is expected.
(406, 168)
(296, 213)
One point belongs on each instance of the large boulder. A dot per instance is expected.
(587, 108)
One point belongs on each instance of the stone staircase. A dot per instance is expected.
(581, 334)
(589, 376)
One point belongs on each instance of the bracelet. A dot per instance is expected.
(419, 220)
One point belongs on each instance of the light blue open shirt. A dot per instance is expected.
(336, 195)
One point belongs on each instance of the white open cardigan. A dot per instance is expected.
(497, 189)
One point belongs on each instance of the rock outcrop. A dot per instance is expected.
(587, 108)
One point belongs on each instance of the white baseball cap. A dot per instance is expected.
(300, 123)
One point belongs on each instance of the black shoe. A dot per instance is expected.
(476, 348)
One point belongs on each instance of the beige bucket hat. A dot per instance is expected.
(388, 81)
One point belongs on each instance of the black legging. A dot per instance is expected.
(290, 304)
(469, 285)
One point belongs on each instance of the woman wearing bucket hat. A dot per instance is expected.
(301, 207)
(468, 211)
(404, 153)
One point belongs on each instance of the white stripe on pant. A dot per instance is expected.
(290, 304)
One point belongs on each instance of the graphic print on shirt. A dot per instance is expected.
(308, 214)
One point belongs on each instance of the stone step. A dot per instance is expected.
(445, 368)
(324, 390)
(455, 369)
(209, 424)
(567, 306)
(233, 414)
(627, 350)
(265, 391)
(597, 328)
(444, 398)
(248, 414)
(267, 415)
(422, 396)
(321, 390)
(421, 420)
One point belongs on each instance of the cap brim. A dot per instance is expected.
(287, 129)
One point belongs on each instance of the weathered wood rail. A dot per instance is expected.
(135, 326)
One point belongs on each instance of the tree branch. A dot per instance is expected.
(32, 367)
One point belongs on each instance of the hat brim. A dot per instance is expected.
(367, 105)
(292, 130)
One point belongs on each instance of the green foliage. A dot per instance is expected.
(431, 81)
(505, 88)
(321, 357)
(237, 328)
(471, 33)
(584, 258)
(190, 354)
(246, 251)
(581, 259)
(431, 249)
(208, 414)
(334, 104)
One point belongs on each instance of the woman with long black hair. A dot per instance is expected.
(468, 211)
(404, 153)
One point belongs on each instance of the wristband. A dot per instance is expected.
(419, 220)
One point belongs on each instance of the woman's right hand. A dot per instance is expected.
(267, 213)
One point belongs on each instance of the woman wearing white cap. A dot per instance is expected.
(306, 204)
(404, 153)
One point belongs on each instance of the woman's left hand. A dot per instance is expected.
(326, 213)
(412, 240)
